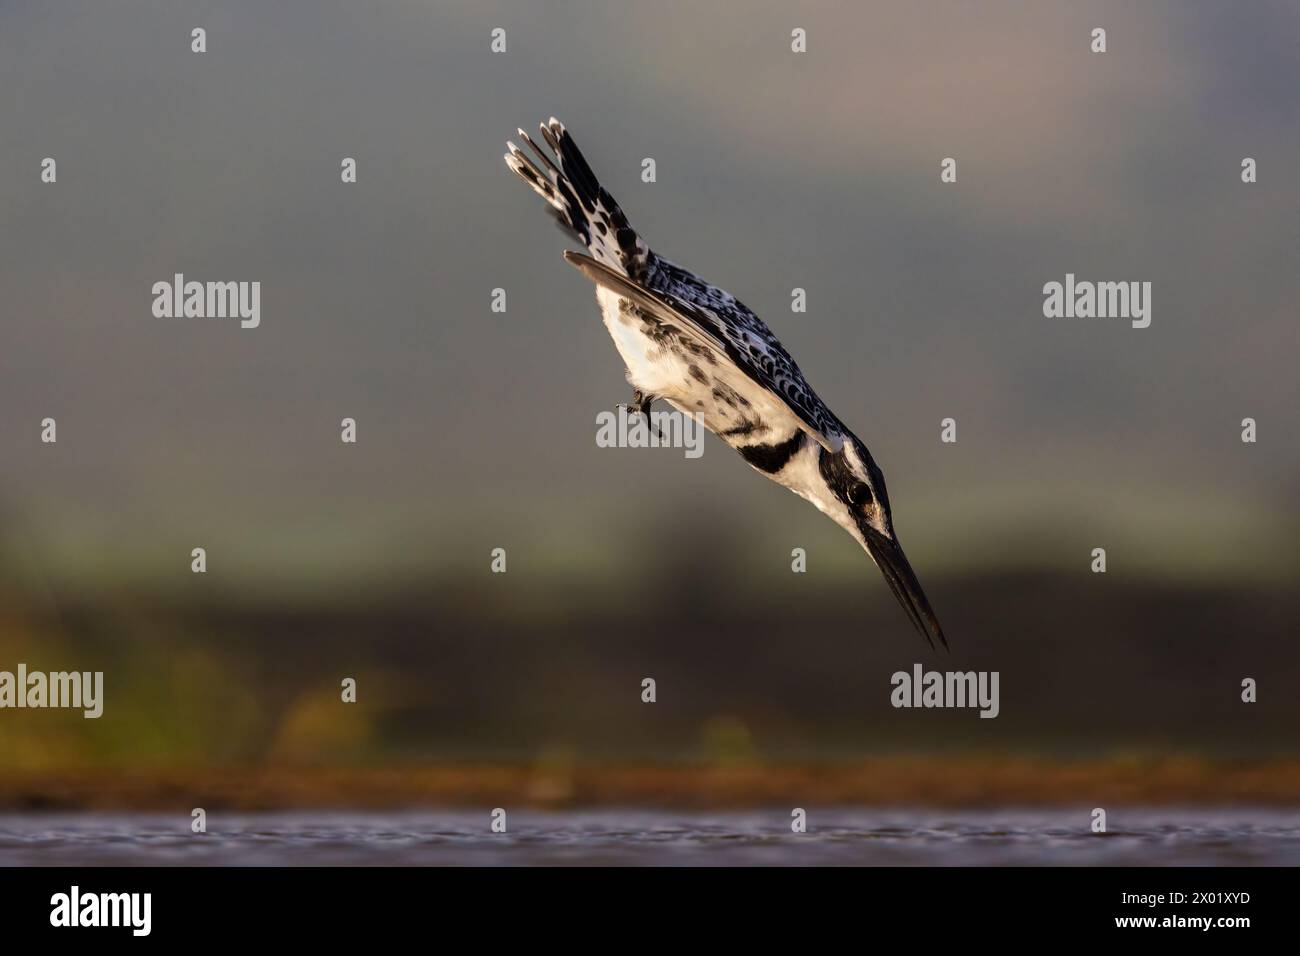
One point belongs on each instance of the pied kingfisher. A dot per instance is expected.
(701, 350)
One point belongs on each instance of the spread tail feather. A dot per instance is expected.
(582, 206)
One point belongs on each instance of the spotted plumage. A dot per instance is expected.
(703, 351)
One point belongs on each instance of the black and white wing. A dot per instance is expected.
(716, 320)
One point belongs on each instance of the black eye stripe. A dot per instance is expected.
(840, 478)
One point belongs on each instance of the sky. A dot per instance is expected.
(774, 170)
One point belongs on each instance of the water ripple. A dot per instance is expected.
(837, 836)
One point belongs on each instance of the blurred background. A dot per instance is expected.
(476, 430)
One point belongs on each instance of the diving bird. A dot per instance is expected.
(700, 349)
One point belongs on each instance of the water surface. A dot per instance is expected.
(841, 836)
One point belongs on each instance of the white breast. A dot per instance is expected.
(668, 374)
(649, 367)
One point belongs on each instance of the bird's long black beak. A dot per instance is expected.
(902, 581)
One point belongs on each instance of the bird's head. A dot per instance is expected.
(858, 488)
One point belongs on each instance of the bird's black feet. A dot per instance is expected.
(641, 403)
